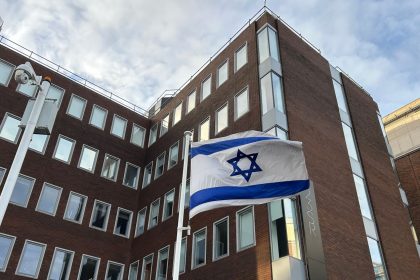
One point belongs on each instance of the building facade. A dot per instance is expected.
(98, 198)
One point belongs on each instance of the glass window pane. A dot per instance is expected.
(362, 197)
(376, 257)
(31, 259)
(278, 92)
(6, 71)
(110, 167)
(339, 94)
(221, 239)
(267, 99)
(153, 134)
(134, 271)
(10, 128)
(351, 145)
(146, 272)
(39, 142)
(2, 172)
(160, 163)
(204, 130)
(137, 135)
(114, 271)
(64, 149)
(206, 88)
(169, 204)
(241, 104)
(22, 191)
(241, 57)
(76, 107)
(75, 208)
(147, 176)
(88, 268)
(191, 101)
(87, 159)
(162, 269)
(60, 265)
(54, 92)
(100, 215)
(183, 260)
(222, 73)
(123, 222)
(164, 125)
(177, 114)
(246, 228)
(98, 117)
(263, 47)
(27, 89)
(222, 118)
(274, 50)
(173, 155)
(199, 252)
(131, 176)
(118, 126)
(154, 214)
(141, 220)
(292, 228)
(49, 199)
(6, 246)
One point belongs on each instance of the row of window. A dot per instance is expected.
(32, 256)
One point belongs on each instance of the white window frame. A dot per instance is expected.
(226, 61)
(209, 77)
(163, 165)
(129, 222)
(2, 125)
(11, 73)
(25, 205)
(112, 126)
(125, 174)
(84, 106)
(83, 208)
(170, 153)
(193, 266)
(106, 219)
(117, 169)
(56, 203)
(96, 269)
(40, 260)
(165, 204)
(158, 261)
(216, 119)
(71, 151)
(214, 239)
(245, 45)
(118, 264)
(199, 128)
(144, 135)
(150, 214)
(239, 212)
(129, 270)
(144, 174)
(151, 257)
(136, 233)
(161, 131)
(43, 148)
(149, 143)
(94, 162)
(9, 253)
(62, 95)
(188, 109)
(185, 257)
(174, 113)
(70, 263)
(91, 115)
(235, 110)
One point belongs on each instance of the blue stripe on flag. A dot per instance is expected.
(267, 190)
(208, 149)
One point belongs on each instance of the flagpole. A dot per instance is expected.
(177, 252)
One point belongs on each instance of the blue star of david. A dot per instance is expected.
(247, 172)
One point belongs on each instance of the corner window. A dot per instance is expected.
(114, 271)
(153, 134)
(60, 265)
(340, 96)
(27, 89)
(31, 259)
(271, 93)
(133, 271)
(376, 257)
(39, 143)
(75, 208)
(199, 248)
(173, 155)
(162, 264)
(177, 114)
(241, 104)
(168, 205)
(87, 160)
(222, 73)
(118, 127)
(110, 167)
(160, 165)
(183, 259)
(147, 176)
(267, 44)
(76, 107)
(131, 175)
(245, 231)
(123, 222)
(154, 213)
(89, 267)
(204, 130)
(141, 221)
(22, 190)
(362, 197)
(100, 215)
(138, 134)
(164, 125)
(49, 199)
(241, 57)
(146, 270)
(6, 247)
(191, 102)
(6, 72)
(221, 238)
(9, 129)
(222, 118)
(350, 142)
(64, 149)
(206, 88)
(98, 117)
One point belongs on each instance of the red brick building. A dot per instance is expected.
(98, 198)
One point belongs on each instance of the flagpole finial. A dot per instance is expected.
(187, 132)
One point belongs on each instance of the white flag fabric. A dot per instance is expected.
(245, 168)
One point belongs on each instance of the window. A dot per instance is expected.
(6, 72)
(206, 88)
(76, 107)
(177, 114)
(146, 270)
(118, 126)
(241, 57)
(199, 248)
(350, 143)
(292, 228)
(55, 92)
(173, 155)
(123, 222)
(39, 143)
(89, 267)
(160, 165)
(114, 271)
(245, 231)
(267, 44)
(131, 175)
(9, 129)
(22, 190)
(147, 176)
(221, 238)
(110, 167)
(153, 134)
(376, 257)
(138, 134)
(60, 265)
(164, 125)
(31, 259)
(2, 173)
(183, 259)
(162, 264)
(49, 199)
(6, 247)
(187, 194)
(98, 117)
(277, 131)
(222, 118)
(222, 73)
(27, 89)
(133, 271)
(100, 215)
(64, 149)
(168, 205)
(190, 102)
(75, 208)
(241, 104)
(204, 130)
(154, 213)
(271, 93)
(141, 221)
(340, 96)
(87, 160)
(362, 197)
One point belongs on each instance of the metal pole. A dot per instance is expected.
(22, 149)
(177, 253)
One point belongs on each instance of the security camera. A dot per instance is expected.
(25, 73)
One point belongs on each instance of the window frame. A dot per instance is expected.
(193, 266)
(163, 165)
(62, 95)
(161, 131)
(138, 176)
(216, 119)
(144, 174)
(129, 270)
(165, 204)
(169, 155)
(149, 142)
(83, 207)
(199, 129)
(96, 268)
(115, 263)
(214, 258)
(117, 169)
(70, 263)
(187, 106)
(235, 103)
(60, 189)
(218, 84)
(185, 257)
(19, 129)
(83, 109)
(4, 174)
(207, 78)
(25, 205)
(105, 118)
(147, 257)
(168, 247)
(174, 114)
(11, 73)
(9, 252)
(106, 219)
(112, 126)
(245, 45)
(71, 150)
(144, 135)
(40, 260)
(129, 222)
(94, 161)
(136, 233)
(238, 213)
(150, 214)
(44, 148)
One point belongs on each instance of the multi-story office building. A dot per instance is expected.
(403, 131)
(98, 198)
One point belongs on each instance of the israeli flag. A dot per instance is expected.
(245, 168)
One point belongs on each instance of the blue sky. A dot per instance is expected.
(138, 48)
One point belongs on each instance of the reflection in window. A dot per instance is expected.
(241, 57)
(339, 94)
(131, 175)
(137, 135)
(119, 125)
(6, 246)
(100, 215)
(206, 88)
(173, 155)
(89, 267)
(162, 264)
(133, 271)
(147, 176)
(160, 164)
(362, 196)
(6, 71)
(110, 167)
(87, 159)
(190, 102)
(177, 114)
(204, 130)
(168, 205)
(75, 207)
(153, 134)
(376, 257)
(9, 129)
(76, 107)
(64, 149)
(39, 143)
(183, 259)
(55, 92)
(271, 93)
(22, 191)
(123, 222)
(350, 143)
(267, 45)
(141, 221)
(60, 265)
(241, 104)
(222, 118)
(49, 199)
(245, 228)
(114, 271)
(199, 248)
(31, 259)
(154, 214)
(222, 73)
(164, 125)
(221, 239)
(98, 117)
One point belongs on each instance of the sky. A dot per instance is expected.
(137, 49)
